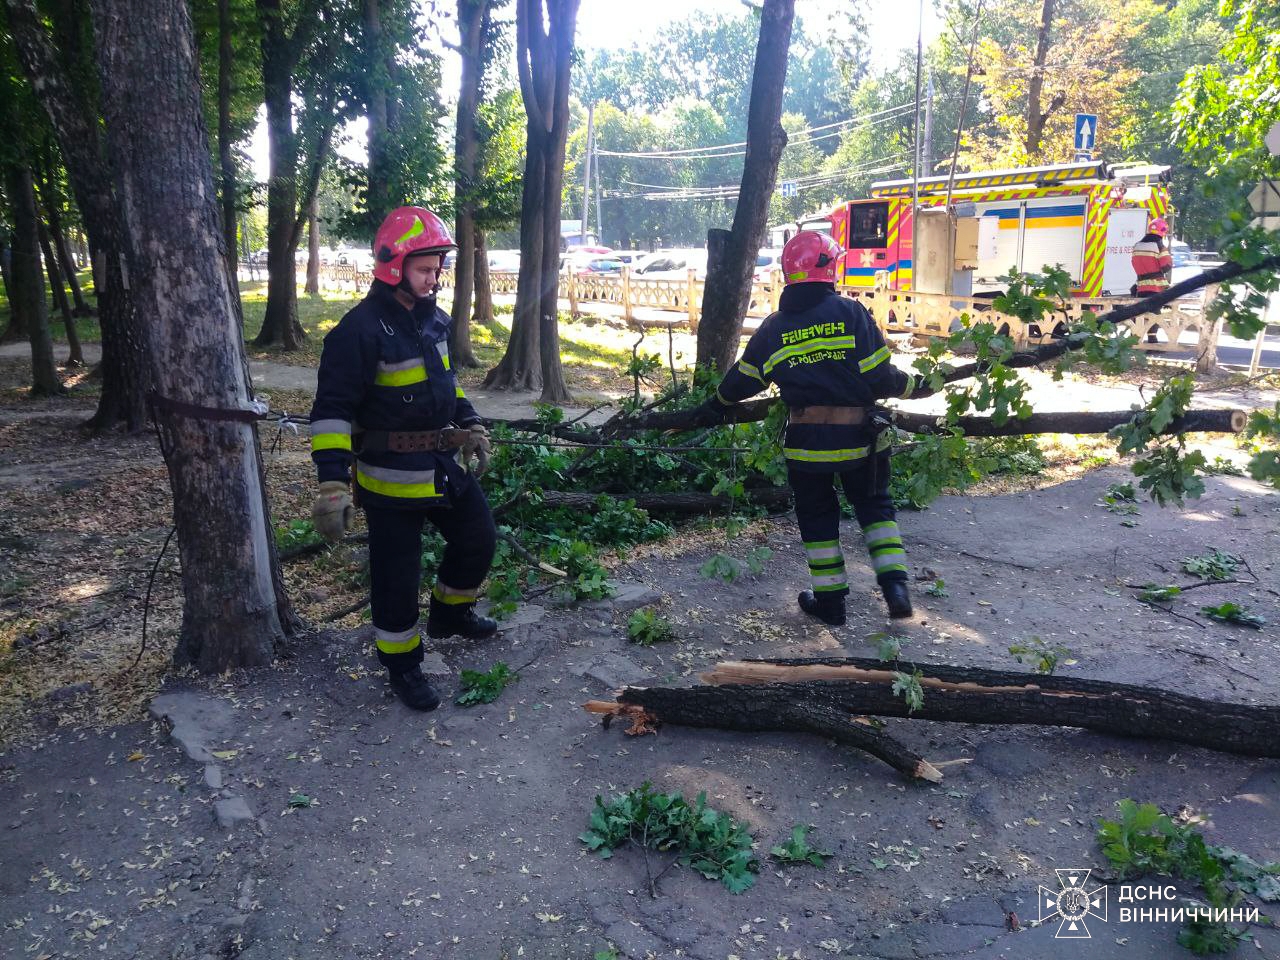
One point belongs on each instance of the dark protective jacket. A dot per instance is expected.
(1153, 264)
(821, 350)
(384, 367)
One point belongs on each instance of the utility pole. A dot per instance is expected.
(926, 164)
(595, 163)
(586, 170)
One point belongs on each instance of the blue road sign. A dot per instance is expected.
(1086, 130)
(789, 188)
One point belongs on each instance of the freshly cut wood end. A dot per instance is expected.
(1238, 420)
(927, 771)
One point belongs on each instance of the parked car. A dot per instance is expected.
(586, 264)
(673, 265)
(505, 261)
(766, 262)
(630, 257)
(1188, 264)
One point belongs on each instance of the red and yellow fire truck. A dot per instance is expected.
(1082, 217)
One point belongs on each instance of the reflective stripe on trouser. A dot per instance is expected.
(826, 566)
(451, 596)
(866, 487)
(395, 564)
(397, 641)
(884, 543)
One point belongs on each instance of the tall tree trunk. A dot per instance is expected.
(381, 197)
(484, 293)
(75, 356)
(235, 611)
(728, 286)
(280, 324)
(313, 249)
(521, 366)
(69, 97)
(473, 16)
(27, 306)
(1036, 119)
(543, 59)
(226, 161)
(66, 263)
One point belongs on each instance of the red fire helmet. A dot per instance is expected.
(810, 257)
(406, 231)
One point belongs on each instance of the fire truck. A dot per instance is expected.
(1082, 217)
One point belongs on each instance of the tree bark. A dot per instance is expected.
(728, 285)
(1035, 87)
(75, 357)
(70, 99)
(227, 186)
(279, 57)
(532, 360)
(235, 611)
(975, 695)
(313, 249)
(28, 308)
(473, 16)
(381, 198)
(742, 709)
(484, 293)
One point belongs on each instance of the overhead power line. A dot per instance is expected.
(730, 149)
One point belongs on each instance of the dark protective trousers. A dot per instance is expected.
(395, 567)
(866, 487)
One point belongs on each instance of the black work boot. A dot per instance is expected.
(454, 619)
(898, 598)
(827, 607)
(413, 690)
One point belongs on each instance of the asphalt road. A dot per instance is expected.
(1234, 351)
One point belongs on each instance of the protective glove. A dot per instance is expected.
(477, 446)
(333, 512)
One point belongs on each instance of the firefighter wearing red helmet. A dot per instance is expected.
(390, 416)
(829, 362)
(1153, 264)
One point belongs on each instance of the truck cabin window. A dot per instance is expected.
(868, 225)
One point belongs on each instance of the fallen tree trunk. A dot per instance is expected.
(757, 710)
(771, 498)
(975, 695)
(827, 696)
(1080, 422)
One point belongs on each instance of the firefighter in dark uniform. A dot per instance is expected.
(829, 362)
(389, 413)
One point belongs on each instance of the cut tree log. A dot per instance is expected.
(976, 695)
(744, 708)
(827, 695)
(1194, 421)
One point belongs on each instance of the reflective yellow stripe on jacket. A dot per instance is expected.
(330, 435)
(401, 484)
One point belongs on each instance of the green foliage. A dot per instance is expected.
(1167, 472)
(798, 850)
(721, 566)
(1221, 466)
(708, 840)
(296, 534)
(908, 687)
(1214, 565)
(938, 462)
(587, 579)
(1152, 593)
(1234, 613)
(938, 588)
(1121, 498)
(1145, 841)
(485, 687)
(1264, 427)
(1046, 657)
(888, 647)
(647, 627)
